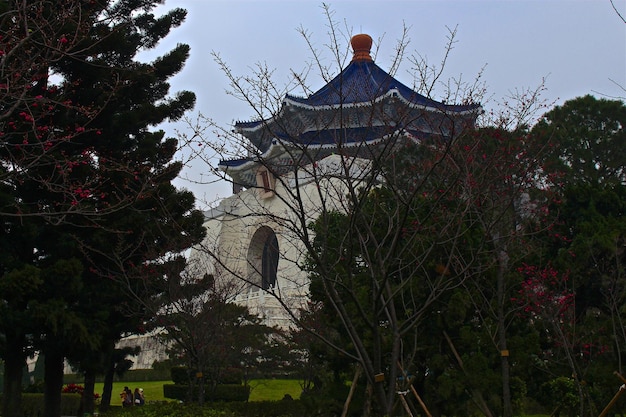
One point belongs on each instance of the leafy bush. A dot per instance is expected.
(518, 391)
(284, 408)
(330, 400)
(167, 409)
(561, 392)
(231, 376)
(224, 392)
(179, 375)
(236, 409)
(36, 387)
(32, 404)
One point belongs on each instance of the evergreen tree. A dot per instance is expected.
(93, 185)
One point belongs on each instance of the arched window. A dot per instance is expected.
(270, 262)
(263, 256)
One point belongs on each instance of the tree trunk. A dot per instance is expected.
(14, 363)
(87, 400)
(200, 378)
(505, 371)
(506, 378)
(53, 382)
(107, 389)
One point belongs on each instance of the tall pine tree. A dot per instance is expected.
(93, 185)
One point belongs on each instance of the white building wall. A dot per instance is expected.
(232, 225)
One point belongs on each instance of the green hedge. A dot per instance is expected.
(137, 375)
(284, 408)
(170, 409)
(32, 404)
(181, 374)
(236, 409)
(224, 392)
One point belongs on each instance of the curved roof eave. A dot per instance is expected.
(247, 163)
(460, 110)
(276, 150)
(393, 92)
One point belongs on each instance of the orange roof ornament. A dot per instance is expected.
(361, 45)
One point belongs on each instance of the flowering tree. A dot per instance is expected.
(40, 112)
(546, 299)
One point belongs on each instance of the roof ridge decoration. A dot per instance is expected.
(361, 45)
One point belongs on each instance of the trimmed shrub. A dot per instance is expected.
(179, 375)
(231, 376)
(224, 392)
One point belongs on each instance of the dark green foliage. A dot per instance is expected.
(232, 376)
(91, 180)
(180, 375)
(221, 392)
(168, 409)
(421, 270)
(561, 393)
(587, 137)
(283, 408)
(32, 404)
(218, 339)
(330, 400)
(585, 245)
(519, 391)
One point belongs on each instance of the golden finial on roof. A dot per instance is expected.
(361, 45)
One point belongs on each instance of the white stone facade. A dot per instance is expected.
(238, 229)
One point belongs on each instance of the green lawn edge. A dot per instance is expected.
(261, 389)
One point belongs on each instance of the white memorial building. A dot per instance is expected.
(301, 161)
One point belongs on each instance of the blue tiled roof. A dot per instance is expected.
(313, 123)
(363, 82)
(346, 136)
(333, 137)
(234, 162)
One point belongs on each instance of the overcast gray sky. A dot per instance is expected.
(578, 46)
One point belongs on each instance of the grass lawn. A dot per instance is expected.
(274, 389)
(261, 389)
(152, 390)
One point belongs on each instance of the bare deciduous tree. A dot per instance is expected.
(359, 185)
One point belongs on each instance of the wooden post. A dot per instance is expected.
(417, 396)
(620, 376)
(357, 373)
(419, 399)
(404, 403)
(613, 401)
(616, 396)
